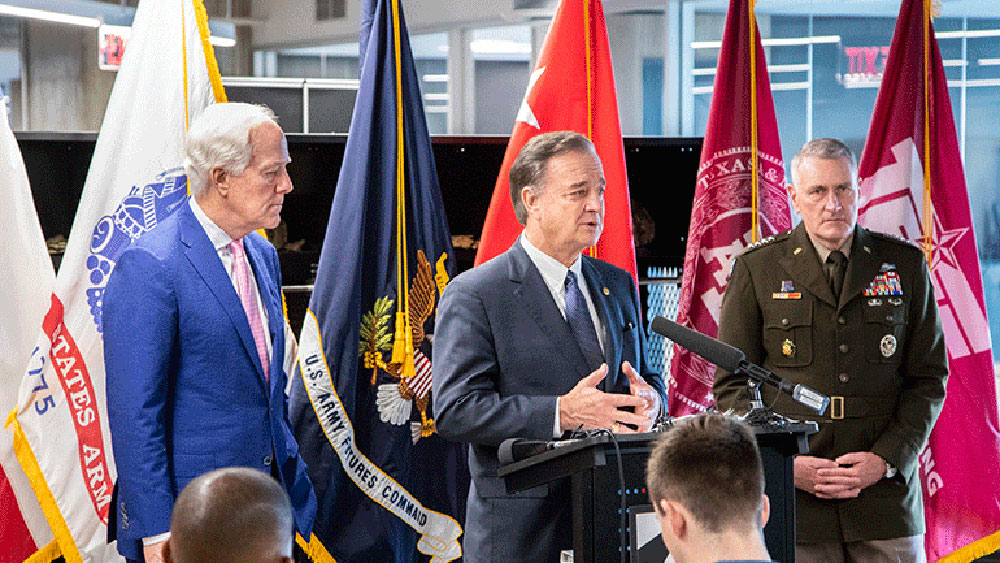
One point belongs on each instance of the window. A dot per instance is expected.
(330, 10)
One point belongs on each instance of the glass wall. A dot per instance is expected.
(10, 70)
(340, 61)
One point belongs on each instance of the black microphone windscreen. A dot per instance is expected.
(719, 353)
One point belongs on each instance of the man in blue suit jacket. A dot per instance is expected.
(523, 345)
(194, 337)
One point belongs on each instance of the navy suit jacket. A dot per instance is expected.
(503, 353)
(185, 388)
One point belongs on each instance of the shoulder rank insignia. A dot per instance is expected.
(395, 400)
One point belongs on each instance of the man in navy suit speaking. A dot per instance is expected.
(538, 341)
(194, 337)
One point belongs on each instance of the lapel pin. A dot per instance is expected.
(868, 250)
(606, 291)
(797, 250)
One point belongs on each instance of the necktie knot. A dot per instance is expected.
(236, 247)
(570, 280)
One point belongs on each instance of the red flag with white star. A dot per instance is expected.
(571, 89)
(960, 465)
(724, 212)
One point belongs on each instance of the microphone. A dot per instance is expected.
(732, 359)
(516, 449)
(715, 351)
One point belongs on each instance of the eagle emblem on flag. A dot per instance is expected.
(395, 400)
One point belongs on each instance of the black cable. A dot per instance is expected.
(623, 519)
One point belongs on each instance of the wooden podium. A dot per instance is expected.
(604, 470)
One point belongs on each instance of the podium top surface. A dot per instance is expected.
(559, 448)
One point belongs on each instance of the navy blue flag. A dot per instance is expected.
(389, 487)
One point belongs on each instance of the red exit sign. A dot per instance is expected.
(111, 45)
(865, 66)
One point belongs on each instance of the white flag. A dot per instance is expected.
(136, 178)
(26, 266)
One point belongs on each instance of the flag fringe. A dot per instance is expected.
(974, 550)
(63, 539)
(47, 554)
(314, 549)
(213, 65)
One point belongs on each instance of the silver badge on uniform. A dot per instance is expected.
(888, 345)
(875, 302)
(895, 301)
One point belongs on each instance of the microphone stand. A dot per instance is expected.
(759, 414)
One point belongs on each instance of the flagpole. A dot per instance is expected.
(753, 123)
(402, 350)
(928, 223)
(588, 45)
(184, 62)
(214, 76)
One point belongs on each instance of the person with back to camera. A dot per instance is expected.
(706, 483)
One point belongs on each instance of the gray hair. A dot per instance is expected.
(220, 137)
(529, 167)
(827, 149)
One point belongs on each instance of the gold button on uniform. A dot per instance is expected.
(841, 321)
(844, 378)
(844, 348)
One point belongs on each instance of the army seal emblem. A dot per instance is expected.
(888, 345)
(788, 348)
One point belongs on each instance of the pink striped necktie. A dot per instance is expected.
(248, 296)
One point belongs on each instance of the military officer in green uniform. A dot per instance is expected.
(850, 313)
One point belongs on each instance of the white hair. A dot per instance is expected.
(220, 137)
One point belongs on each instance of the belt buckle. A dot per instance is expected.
(836, 408)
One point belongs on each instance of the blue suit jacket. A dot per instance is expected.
(185, 388)
(503, 353)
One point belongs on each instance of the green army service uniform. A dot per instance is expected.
(879, 354)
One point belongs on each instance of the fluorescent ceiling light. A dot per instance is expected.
(58, 17)
(989, 62)
(437, 97)
(971, 33)
(221, 41)
(773, 69)
(500, 46)
(789, 86)
(777, 42)
(953, 62)
(435, 78)
(975, 83)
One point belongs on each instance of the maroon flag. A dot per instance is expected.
(728, 212)
(912, 152)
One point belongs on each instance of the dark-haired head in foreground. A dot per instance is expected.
(235, 514)
(706, 482)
